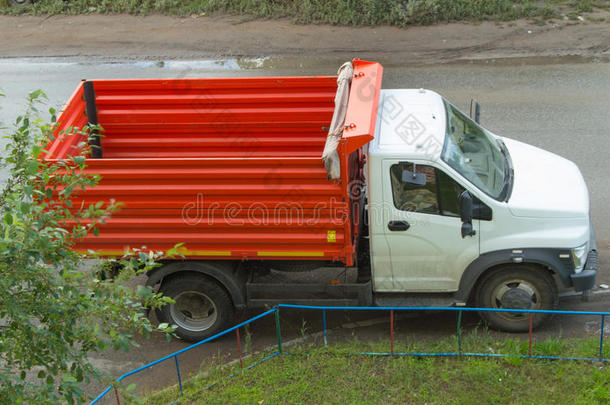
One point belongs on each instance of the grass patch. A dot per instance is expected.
(340, 12)
(337, 375)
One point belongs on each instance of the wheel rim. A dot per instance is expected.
(515, 294)
(193, 311)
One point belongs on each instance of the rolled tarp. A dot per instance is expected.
(330, 155)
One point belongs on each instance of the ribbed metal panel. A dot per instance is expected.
(72, 117)
(230, 167)
(242, 206)
(237, 117)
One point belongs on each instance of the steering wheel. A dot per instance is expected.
(409, 206)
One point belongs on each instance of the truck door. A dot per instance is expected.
(423, 228)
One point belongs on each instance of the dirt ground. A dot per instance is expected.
(128, 37)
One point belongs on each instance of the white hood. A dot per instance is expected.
(545, 185)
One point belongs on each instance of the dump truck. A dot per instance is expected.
(262, 175)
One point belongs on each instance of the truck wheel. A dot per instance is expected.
(516, 287)
(202, 307)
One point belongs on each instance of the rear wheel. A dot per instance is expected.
(202, 307)
(516, 287)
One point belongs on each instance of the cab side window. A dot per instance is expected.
(440, 195)
(449, 195)
(414, 197)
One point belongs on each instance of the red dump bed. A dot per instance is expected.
(231, 167)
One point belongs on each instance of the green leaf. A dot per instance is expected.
(32, 167)
(79, 160)
(25, 208)
(144, 291)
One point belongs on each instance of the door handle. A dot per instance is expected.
(398, 225)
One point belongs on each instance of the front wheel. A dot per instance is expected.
(201, 309)
(516, 287)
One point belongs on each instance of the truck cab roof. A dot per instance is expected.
(410, 123)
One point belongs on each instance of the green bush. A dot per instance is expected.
(341, 12)
(54, 311)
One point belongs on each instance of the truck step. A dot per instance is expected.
(261, 303)
(261, 294)
(416, 300)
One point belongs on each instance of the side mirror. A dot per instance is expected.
(481, 211)
(475, 111)
(466, 206)
(466, 214)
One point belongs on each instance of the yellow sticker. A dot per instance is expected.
(331, 236)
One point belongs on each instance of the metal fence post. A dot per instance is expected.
(530, 334)
(324, 328)
(241, 360)
(459, 332)
(278, 331)
(118, 398)
(178, 372)
(601, 340)
(392, 331)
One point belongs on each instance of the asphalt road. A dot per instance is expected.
(561, 106)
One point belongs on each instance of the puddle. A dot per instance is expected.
(63, 62)
(594, 327)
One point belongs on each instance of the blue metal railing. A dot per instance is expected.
(176, 354)
(276, 312)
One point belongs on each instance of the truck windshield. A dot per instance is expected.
(476, 154)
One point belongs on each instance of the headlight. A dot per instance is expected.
(579, 256)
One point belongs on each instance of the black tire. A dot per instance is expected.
(19, 3)
(516, 287)
(202, 308)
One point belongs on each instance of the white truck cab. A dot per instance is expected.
(455, 209)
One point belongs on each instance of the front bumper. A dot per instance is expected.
(585, 280)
